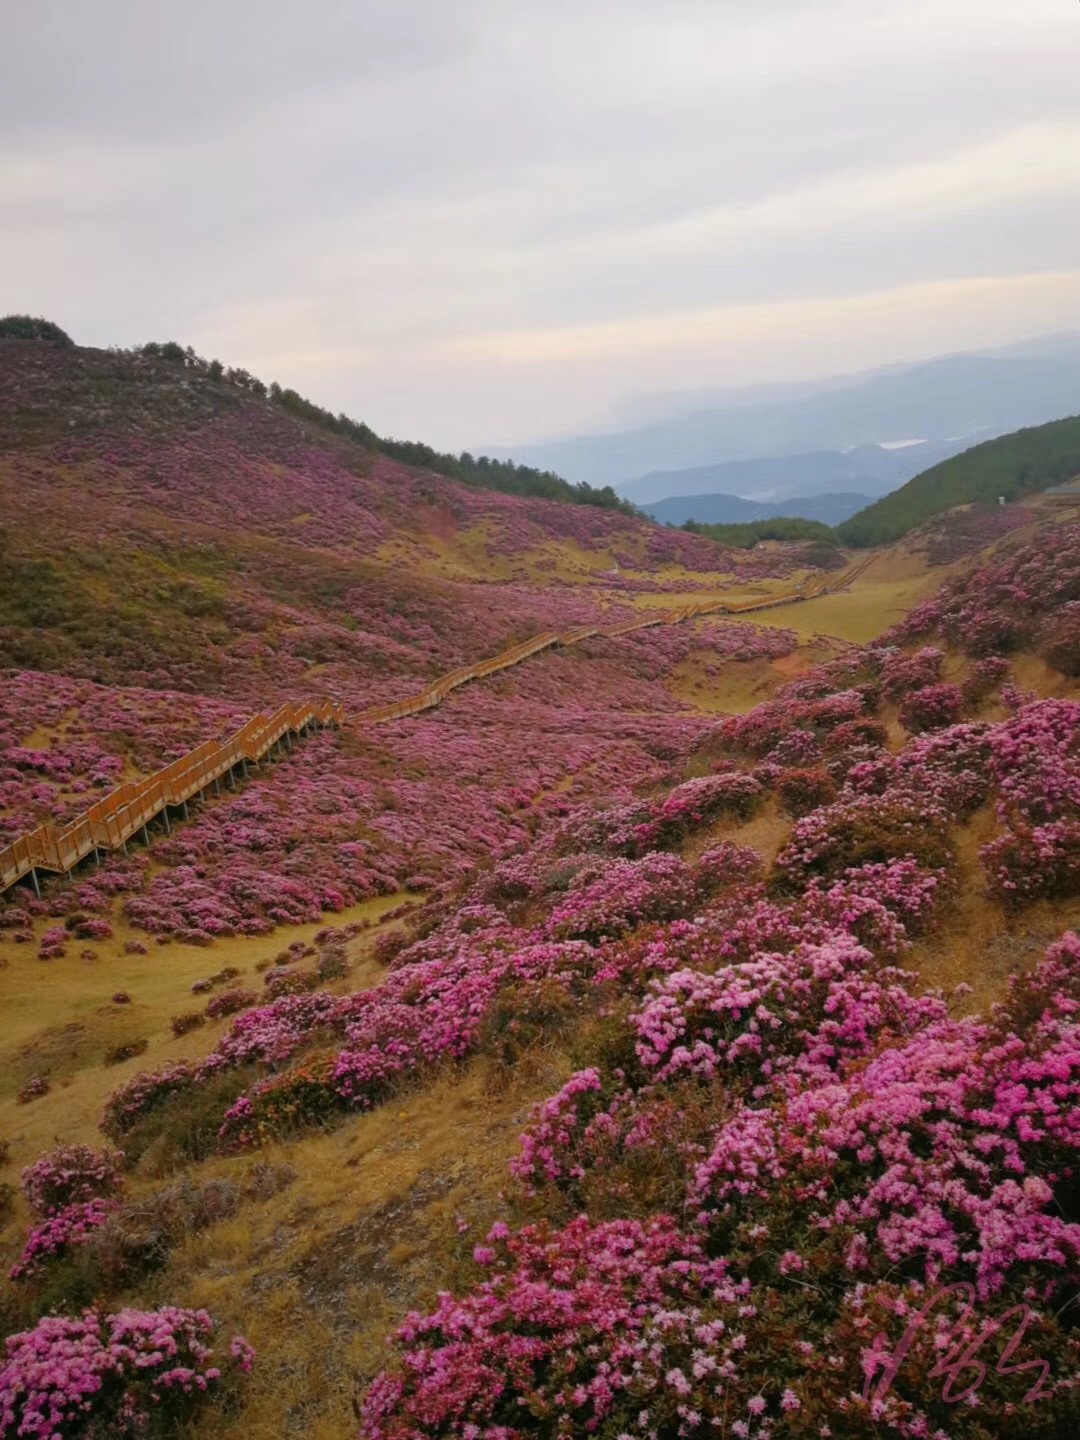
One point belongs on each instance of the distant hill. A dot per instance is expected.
(1028, 461)
(869, 470)
(733, 510)
(954, 400)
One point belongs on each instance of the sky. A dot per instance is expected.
(490, 221)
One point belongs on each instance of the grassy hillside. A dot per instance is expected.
(644, 1112)
(161, 525)
(481, 470)
(1013, 465)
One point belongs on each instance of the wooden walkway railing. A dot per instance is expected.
(126, 811)
(111, 821)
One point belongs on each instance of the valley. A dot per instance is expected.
(633, 1022)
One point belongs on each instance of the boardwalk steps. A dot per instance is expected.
(127, 811)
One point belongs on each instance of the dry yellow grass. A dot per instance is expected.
(59, 1018)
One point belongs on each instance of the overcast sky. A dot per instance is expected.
(495, 220)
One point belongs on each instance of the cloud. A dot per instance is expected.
(420, 211)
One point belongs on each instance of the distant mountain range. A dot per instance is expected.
(734, 510)
(948, 403)
(869, 470)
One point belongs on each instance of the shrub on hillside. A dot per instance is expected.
(33, 327)
(189, 1020)
(866, 830)
(801, 791)
(126, 1050)
(71, 1174)
(931, 708)
(986, 676)
(34, 1088)
(131, 1374)
(229, 1002)
(1058, 639)
(1034, 862)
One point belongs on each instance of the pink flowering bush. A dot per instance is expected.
(71, 1174)
(858, 830)
(753, 1022)
(62, 1230)
(130, 1374)
(625, 893)
(932, 707)
(805, 789)
(1058, 639)
(901, 673)
(574, 1330)
(229, 1002)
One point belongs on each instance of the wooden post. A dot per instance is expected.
(37, 886)
(184, 809)
(145, 835)
(165, 817)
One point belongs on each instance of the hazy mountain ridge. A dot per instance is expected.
(956, 399)
(869, 470)
(830, 509)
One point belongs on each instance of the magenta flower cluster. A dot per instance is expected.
(109, 1374)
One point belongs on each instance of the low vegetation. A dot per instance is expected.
(1011, 466)
(746, 534)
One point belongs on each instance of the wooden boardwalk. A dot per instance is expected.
(127, 811)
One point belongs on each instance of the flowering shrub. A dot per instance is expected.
(190, 1020)
(1058, 639)
(697, 802)
(70, 1175)
(229, 1002)
(575, 1329)
(996, 608)
(34, 1088)
(926, 1159)
(145, 1093)
(725, 865)
(755, 1021)
(932, 707)
(801, 791)
(1034, 862)
(624, 894)
(865, 829)
(985, 676)
(63, 1230)
(110, 1374)
(901, 673)
(126, 1050)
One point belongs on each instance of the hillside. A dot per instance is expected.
(1011, 466)
(632, 1045)
(162, 527)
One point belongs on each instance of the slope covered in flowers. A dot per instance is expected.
(161, 529)
(775, 1143)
